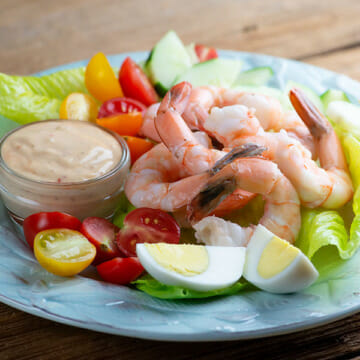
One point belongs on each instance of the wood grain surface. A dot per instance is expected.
(38, 34)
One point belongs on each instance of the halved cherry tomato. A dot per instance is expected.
(137, 146)
(63, 252)
(147, 225)
(205, 53)
(123, 124)
(120, 271)
(100, 79)
(78, 106)
(101, 233)
(120, 105)
(35, 223)
(135, 83)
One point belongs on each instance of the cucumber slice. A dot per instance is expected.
(167, 60)
(333, 95)
(311, 94)
(269, 91)
(218, 72)
(255, 77)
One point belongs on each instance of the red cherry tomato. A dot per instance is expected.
(35, 223)
(147, 225)
(205, 53)
(120, 105)
(120, 270)
(135, 83)
(101, 233)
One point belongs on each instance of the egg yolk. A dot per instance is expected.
(188, 260)
(277, 256)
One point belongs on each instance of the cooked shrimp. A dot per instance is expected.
(185, 146)
(329, 186)
(156, 180)
(148, 128)
(282, 205)
(268, 111)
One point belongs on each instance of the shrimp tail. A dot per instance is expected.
(315, 121)
(246, 150)
(217, 190)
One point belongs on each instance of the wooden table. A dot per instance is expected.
(38, 34)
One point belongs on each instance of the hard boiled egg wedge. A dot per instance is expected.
(196, 267)
(274, 265)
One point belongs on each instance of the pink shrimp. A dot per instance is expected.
(268, 111)
(329, 186)
(156, 180)
(186, 148)
(282, 205)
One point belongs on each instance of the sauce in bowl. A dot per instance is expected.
(61, 151)
(62, 165)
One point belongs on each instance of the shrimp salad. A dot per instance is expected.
(232, 183)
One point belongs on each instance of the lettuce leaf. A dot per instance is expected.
(351, 147)
(57, 85)
(123, 208)
(26, 99)
(326, 228)
(154, 288)
(28, 107)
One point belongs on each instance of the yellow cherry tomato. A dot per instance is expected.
(63, 252)
(100, 79)
(79, 106)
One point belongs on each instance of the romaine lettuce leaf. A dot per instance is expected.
(351, 147)
(57, 85)
(321, 228)
(26, 99)
(29, 107)
(154, 288)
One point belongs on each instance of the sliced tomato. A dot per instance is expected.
(135, 83)
(120, 105)
(101, 233)
(63, 252)
(35, 223)
(120, 271)
(205, 53)
(147, 225)
(137, 146)
(123, 124)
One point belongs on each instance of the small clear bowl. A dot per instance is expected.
(94, 197)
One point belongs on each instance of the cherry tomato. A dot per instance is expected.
(147, 225)
(101, 233)
(120, 271)
(63, 252)
(135, 83)
(120, 105)
(137, 146)
(78, 106)
(123, 124)
(205, 53)
(100, 79)
(35, 223)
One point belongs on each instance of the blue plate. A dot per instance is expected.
(86, 302)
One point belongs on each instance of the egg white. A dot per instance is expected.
(225, 268)
(297, 276)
